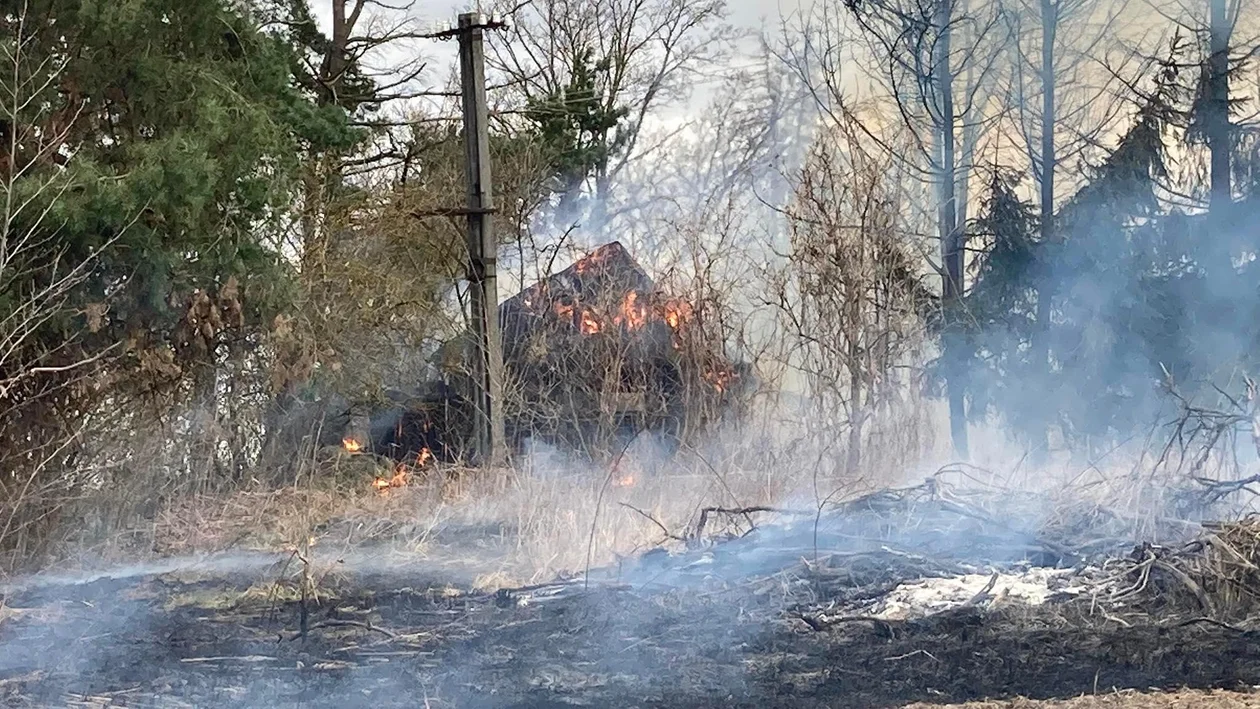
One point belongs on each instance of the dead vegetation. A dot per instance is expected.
(1184, 699)
(943, 591)
(745, 580)
(213, 550)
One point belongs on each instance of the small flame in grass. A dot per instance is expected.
(400, 479)
(402, 473)
(622, 474)
(352, 445)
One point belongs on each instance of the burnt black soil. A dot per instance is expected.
(374, 642)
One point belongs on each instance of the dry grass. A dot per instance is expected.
(1183, 699)
(530, 523)
(549, 516)
(506, 526)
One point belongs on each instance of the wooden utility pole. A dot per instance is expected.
(487, 361)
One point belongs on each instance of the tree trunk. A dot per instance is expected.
(952, 253)
(1049, 163)
(853, 456)
(1216, 120)
(337, 56)
(857, 367)
(970, 140)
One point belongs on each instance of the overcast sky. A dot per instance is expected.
(434, 15)
(746, 13)
(440, 14)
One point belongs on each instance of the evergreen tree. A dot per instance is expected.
(1119, 282)
(180, 128)
(1001, 308)
(578, 131)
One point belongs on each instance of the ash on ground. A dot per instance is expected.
(923, 597)
(922, 594)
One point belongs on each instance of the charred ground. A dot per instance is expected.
(603, 648)
(787, 615)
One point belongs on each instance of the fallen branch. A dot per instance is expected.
(820, 624)
(229, 658)
(746, 512)
(349, 624)
(1195, 589)
(1212, 621)
(653, 520)
(909, 655)
(983, 595)
(1215, 490)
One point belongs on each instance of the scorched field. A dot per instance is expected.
(924, 594)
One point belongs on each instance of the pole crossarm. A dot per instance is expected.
(478, 23)
(451, 212)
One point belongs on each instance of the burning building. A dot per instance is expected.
(598, 353)
(593, 356)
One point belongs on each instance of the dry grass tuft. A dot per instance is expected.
(506, 526)
(1183, 699)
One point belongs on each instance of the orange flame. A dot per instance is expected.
(634, 312)
(352, 445)
(589, 325)
(597, 258)
(623, 471)
(632, 315)
(720, 378)
(587, 319)
(676, 312)
(400, 479)
(402, 473)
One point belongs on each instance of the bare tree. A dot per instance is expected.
(370, 56)
(36, 138)
(644, 55)
(368, 62)
(935, 63)
(850, 297)
(39, 273)
(743, 150)
(1216, 108)
(370, 284)
(1055, 50)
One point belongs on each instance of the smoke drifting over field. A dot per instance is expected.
(810, 551)
(725, 617)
